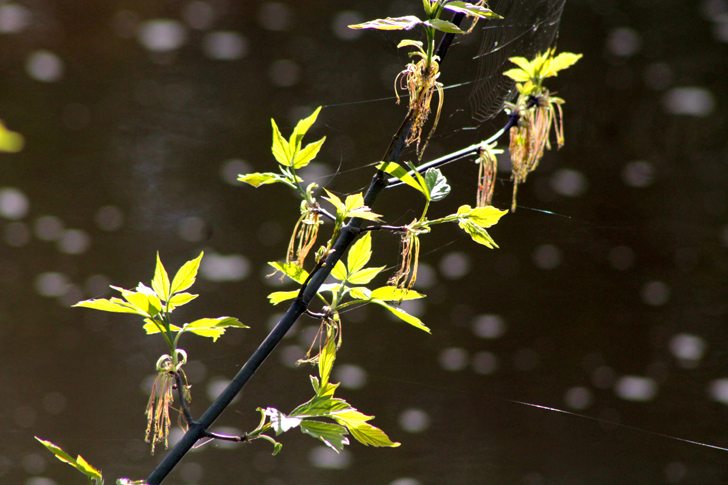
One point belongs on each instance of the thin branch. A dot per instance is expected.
(227, 437)
(183, 401)
(298, 307)
(325, 213)
(386, 228)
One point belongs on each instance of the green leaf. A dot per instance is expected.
(444, 26)
(482, 216)
(151, 327)
(409, 42)
(263, 178)
(333, 435)
(364, 212)
(281, 296)
(472, 10)
(420, 180)
(339, 271)
(336, 202)
(436, 184)
(403, 315)
(296, 273)
(518, 75)
(477, 233)
(305, 156)
(78, 463)
(390, 23)
(280, 148)
(360, 253)
(10, 141)
(560, 62)
(181, 299)
(186, 275)
(326, 361)
(360, 293)
(300, 130)
(364, 432)
(392, 293)
(399, 172)
(160, 282)
(524, 64)
(322, 404)
(212, 327)
(364, 276)
(147, 305)
(280, 422)
(107, 306)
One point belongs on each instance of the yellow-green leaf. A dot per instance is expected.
(10, 141)
(107, 306)
(390, 23)
(280, 147)
(518, 75)
(339, 271)
(482, 216)
(160, 282)
(87, 469)
(560, 62)
(148, 305)
(326, 361)
(360, 293)
(281, 296)
(78, 463)
(401, 173)
(362, 431)
(354, 201)
(295, 272)
(301, 129)
(403, 315)
(524, 64)
(181, 299)
(212, 327)
(151, 327)
(360, 253)
(364, 212)
(364, 276)
(392, 293)
(444, 26)
(333, 435)
(305, 156)
(336, 202)
(477, 233)
(263, 178)
(186, 275)
(471, 10)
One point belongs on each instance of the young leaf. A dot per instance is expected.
(360, 293)
(333, 435)
(477, 233)
(392, 293)
(336, 202)
(280, 422)
(150, 327)
(280, 147)
(471, 10)
(326, 360)
(160, 283)
(180, 299)
(397, 23)
(300, 130)
(186, 275)
(296, 273)
(281, 296)
(305, 156)
(147, 305)
(518, 75)
(482, 216)
(403, 315)
(339, 271)
(108, 306)
(420, 180)
(436, 184)
(263, 178)
(360, 253)
(408, 43)
(212, 327)
(364, 432)
(78, 463)
(399, 172)
(444, 26)
(560, 62)
(364, 276)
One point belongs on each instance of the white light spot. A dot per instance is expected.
(44, 66)
(291, 354)
(485, 363)
(225, 46)
(405, 481)
(216, 267)
(657, 76)
(547, 256)
(216, 386)
(569, 182)
(624, 42)
(655, 293)
(426, 276)
(308, 335)
(284, 73)
(275, 16)
(453, 359)
(198, 15)
(578, 398)
(162, 35)
(13, 203)
(691, 101)
(416, 308)
(688, 349)
(109, 218)
(191, 229)
(675, 472)
(40, 481)
(621, 258)
(718, 390)
(341, 22)
(351, 376)
(74, 241)
(14, 18)
(17, 234)
(489, 326)
(454, 265)
(633, 388)
(325, 457)
(51, 284)
(638, 174)
(720, 28)
(414, 420)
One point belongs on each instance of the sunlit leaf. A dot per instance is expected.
(333, 435)
(339, 271)
(280, 422)
(403, 315)
(367, 434)
(444, 26)
(87, 469)
(326, 360)
(360, 253)
(408, 43)
(336, 202)
(295, 272)
(390, 23)
(10, 141)
(364, 276)
(560, 62)
(281, 296)
(518, 75)
(401, 173)
(482, 216)
(160, 282)
(420, 180)
(107, 306)
(436, 184)
(360, 293)
(364, 212)
(280, 146)
(181, 299)
(300, 130)
(477, 233)
(392, 293)
(322, 404)
(78, 463)
(151, 327)
(186, 275)
(212, 327)
(472, 10)
(305, 156)
(524, 64)
(329, 287)
(261, 178)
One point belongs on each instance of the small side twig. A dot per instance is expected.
(325, 213)
(385, 228)
(181, 392)
(226, 437)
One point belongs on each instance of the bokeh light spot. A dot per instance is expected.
(414, 420)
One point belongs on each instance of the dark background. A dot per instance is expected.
(610, 304)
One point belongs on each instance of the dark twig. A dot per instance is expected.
(346, 237)
(181, 392)
(386, 228)
(325, 213)
(227, 437)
